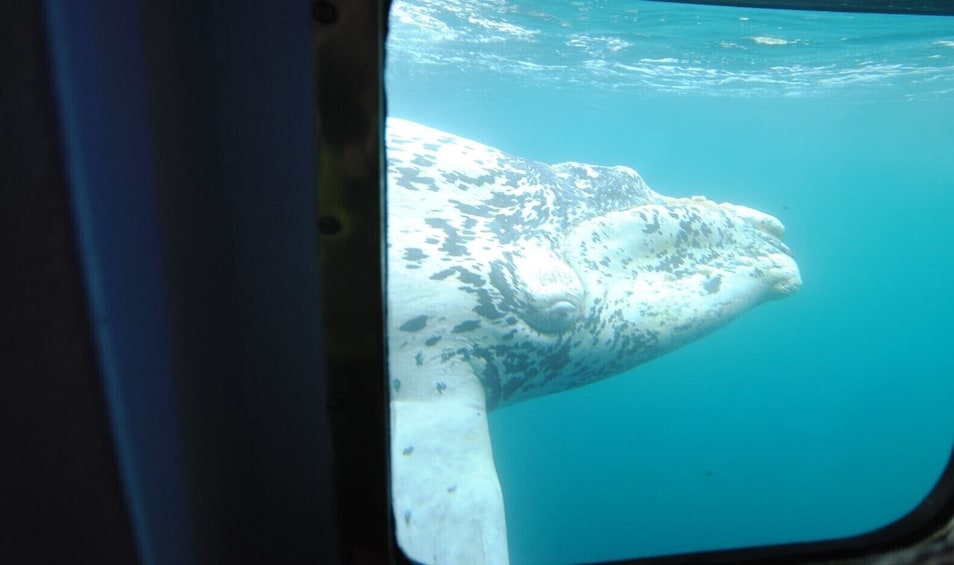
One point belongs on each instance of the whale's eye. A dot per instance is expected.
(554, 317)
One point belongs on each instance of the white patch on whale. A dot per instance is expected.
(510, 279)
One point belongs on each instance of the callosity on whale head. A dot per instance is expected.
(509, 279)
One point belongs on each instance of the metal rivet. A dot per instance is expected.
(324, 12)
(329, 225)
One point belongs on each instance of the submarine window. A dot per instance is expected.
(668, 280)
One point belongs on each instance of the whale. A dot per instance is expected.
(508, 279)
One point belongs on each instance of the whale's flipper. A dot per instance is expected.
(447, 500)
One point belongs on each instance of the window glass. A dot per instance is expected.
(790, 387)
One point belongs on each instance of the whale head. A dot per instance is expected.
(549, 277)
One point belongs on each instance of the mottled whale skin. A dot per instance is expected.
(510, 279)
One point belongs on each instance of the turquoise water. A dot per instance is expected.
(820, 416)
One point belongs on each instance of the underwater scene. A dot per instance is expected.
(820, 415)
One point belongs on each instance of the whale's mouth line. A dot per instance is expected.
(778, 244)
(770, 229)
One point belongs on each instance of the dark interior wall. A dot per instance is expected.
(347, 57)
(61, 496)
(233, 131)
(160, 316)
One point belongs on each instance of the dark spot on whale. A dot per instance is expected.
(447, 354)
(467, 277)
(485, 305)
(412, 175)
(505, 200)
(414, 254)
(452, 240)
(422, 161)
(463, 275)
(441, 387)
(442, 275)
(477, 181)
(432, 340)
(557, 359)
(468, 326)
(408, 450)
(501, 277)
(490, 379)
(653, 227)
(712, 285)
(671, 263)
(451, 489)
(512, 386)
(506, 227)
(419, 359)
(414, 324)
(470, 210)
(516, 362)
